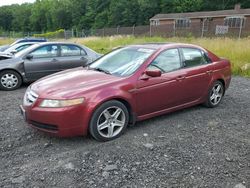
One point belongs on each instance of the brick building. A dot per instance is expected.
(234, 22)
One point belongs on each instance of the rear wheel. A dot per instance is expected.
(109, 121)
(10, 80)
(215, 95)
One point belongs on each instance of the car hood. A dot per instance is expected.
(72, 83)
(9, 61)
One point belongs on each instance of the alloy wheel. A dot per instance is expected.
(111, 122)
(216, 94)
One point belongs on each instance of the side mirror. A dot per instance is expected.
(153, 73)
(29, 57)
(13, 52)
(84, 60)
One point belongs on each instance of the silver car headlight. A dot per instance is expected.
(51, 103)
(30, 97)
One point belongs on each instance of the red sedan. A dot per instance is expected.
(129, 84)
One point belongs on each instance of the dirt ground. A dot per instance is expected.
(195, 147)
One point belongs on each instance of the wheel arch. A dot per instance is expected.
(223, 83)
(132, 116)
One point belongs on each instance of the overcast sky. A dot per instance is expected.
(9, 2)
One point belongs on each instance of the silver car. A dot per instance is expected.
(42, 59)
(14, 49)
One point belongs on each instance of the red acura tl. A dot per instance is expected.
(129, 84)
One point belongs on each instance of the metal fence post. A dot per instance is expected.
(117, 30)
(72, 34)
(83, 33)
(133, 30)
(203, 26)
(174, 29)
(241, 25)
(150, 30)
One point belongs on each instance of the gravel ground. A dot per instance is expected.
(196, 147)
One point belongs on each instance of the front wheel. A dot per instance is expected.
(10, 80)
(215, 95)
(109, 121)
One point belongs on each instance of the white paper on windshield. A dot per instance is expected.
(145, 50)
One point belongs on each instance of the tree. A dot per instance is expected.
(187, 5)
(123, 12)
(6, 18)
(21, 15)
(147, 9)
(50, 15)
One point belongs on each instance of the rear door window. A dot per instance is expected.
(72, 50)
(193, 57)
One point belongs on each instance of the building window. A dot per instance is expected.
(182, 23)
(234, 22)
(155, 22)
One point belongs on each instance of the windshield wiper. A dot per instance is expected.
(101, 70)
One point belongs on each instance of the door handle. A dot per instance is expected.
(180, 78)
(54, 60)
(209, 72)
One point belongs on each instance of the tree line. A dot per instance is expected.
(50, 15)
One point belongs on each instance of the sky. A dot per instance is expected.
(9, 2)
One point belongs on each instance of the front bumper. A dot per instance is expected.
(62, 122)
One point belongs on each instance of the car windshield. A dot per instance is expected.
(122, 62)
(26, 50)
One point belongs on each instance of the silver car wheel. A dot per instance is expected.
(216, 94)
(111, 122)
(9, 81)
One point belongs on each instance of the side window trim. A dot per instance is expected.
(205, 54)
(84, 51)
(180, 58)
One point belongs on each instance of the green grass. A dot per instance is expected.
(4, 41)
(236, 50)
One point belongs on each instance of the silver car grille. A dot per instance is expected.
(30, 97)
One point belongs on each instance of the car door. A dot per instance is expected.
(72, 56)
(198, 73)
(159, 93)
(41, 62)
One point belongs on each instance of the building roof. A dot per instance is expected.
(220, 13)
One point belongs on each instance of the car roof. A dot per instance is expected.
(30, 39)
(162, 45)
(48, 43)
(23, 43)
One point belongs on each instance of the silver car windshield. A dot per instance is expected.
(26, 50)
(122, 62)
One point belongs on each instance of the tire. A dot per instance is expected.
(109, 121)
(10, 80)
(215, 95)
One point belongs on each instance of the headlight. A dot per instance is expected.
(51, 103)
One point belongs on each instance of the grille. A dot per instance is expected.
(44, 126)
(30, 97)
